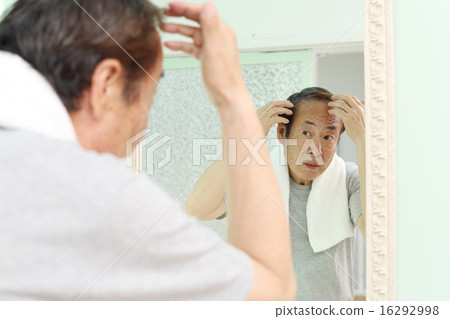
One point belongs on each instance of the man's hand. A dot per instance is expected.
(269, 114)
(214, 44)
(351, 111)
(255, 221)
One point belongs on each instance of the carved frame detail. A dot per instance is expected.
(380, 150)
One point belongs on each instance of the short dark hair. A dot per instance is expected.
(306, 95)
(65, 45)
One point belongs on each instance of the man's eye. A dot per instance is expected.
(328, 137)
(306, 133)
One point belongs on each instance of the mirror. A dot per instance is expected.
(290, 51)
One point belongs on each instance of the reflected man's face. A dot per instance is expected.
(312, 121)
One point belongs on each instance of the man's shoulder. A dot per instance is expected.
(352, 174)
(40, 151)
(63, 166)
(351, 167)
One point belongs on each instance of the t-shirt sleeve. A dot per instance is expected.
(353, 190)
(163, 253)
(226, 205)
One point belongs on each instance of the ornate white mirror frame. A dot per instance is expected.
(380, 150)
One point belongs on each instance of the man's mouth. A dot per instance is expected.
(311, 165)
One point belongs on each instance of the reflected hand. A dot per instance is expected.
(351, 111)
(269, 114)
(214, 44)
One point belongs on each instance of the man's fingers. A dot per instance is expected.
(189, 48)
(341, 105)
(209, 19)
(345, 98)
(183, 9)
(278, 119)
(357, 101)
(339, 113)
(280, 110)
(284, 103)
(282, 120)
(185, 30)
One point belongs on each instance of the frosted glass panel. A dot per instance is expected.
(182, 111)
(185, 113)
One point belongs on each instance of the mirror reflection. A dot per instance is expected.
(313, 94)
(329, 261)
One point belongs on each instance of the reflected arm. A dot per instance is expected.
(206, 202)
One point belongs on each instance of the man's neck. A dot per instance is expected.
(299, 180)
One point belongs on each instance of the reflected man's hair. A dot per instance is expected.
(306, 95)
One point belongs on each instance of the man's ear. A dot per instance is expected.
(107, 84)
(281, 131)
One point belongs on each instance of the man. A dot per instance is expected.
(321, 192)
(77, 81)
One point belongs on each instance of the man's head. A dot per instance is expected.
(100, 57)
(310, 120)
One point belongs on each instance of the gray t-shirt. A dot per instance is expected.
(75, 222)
(319, 277)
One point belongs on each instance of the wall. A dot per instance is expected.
(422, 68)
(263, 25)
(4, 4)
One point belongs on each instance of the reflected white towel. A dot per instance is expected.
(29, 102)
(327, 211)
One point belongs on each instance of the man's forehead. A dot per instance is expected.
(315, 112)
(318, 120)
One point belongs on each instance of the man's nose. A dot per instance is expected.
(316, 142)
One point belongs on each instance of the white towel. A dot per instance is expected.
(29, 102)
(327, 211)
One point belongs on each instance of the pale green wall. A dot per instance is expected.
(422, 71)
(5, 4)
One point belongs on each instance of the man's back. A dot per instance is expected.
(79, 224)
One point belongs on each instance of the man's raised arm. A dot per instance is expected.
(257, 221)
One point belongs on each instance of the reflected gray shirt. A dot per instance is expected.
(75, 223)
(326, 275)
